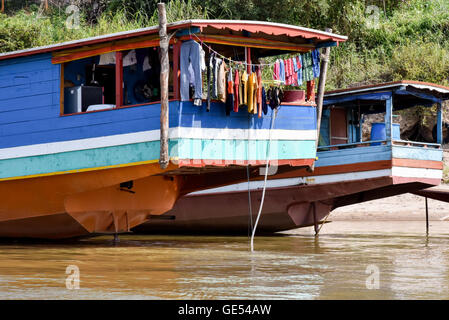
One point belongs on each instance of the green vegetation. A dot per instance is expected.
(407, 39)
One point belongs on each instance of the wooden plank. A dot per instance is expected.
(413, 163)
(25, 103)
(176, 71)
(118, 79)
(28, 90)
(61, 91)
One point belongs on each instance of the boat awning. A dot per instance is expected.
(252, 33)
(405, 94)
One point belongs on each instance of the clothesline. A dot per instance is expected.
(230, 60)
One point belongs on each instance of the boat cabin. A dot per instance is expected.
(362, 124)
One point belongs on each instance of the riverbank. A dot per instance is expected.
(405, 207)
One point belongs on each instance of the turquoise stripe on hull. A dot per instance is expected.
(147, 151)
(243, 150)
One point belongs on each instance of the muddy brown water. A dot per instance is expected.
(349, 260)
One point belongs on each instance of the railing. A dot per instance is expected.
(367, 143)
(352, 145)
(417, 144)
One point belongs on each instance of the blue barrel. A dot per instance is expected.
(378, 132)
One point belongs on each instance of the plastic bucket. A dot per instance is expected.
(378, 132)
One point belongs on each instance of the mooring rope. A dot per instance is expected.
(265, 180)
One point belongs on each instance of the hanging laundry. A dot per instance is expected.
(311, 90)
(217, 62)
(146, 64)
(244, 93)
(259, 92)
(230, 93)
(316, 63)
(274, 96)
(307, 66)
(130, 59)
(252, 87)
(190, 55)
(236, 90)
(107, 58)
(297, 66)
(210, 70)
(282, 71)
(221, 81)
(276, 71)
(264, 102)
(287, 72)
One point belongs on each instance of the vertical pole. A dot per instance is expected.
(163, 159)
(62, 91)
(176, 74)
(321, 88)
(3, 6)
(439, 124)
(315, 222)
(389, 119)
(248, 60)
(118, 79)
(427, 217)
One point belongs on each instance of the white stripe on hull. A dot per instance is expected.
(154, 135)
(405, 172)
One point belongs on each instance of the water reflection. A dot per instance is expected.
(293, 266)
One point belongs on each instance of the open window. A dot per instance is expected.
(112, 80)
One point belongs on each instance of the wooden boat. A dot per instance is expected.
(80, 138)
(348, 170)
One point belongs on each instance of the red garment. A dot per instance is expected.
(287, 68)
(295, 79)
(298, 62)
(236, 90)
(287, 72)
(276, 71)
(259, 92)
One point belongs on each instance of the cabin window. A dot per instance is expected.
(90, 84)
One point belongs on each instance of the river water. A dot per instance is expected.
(349, 260)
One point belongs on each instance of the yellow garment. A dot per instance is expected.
(252, 89)
(244, 84)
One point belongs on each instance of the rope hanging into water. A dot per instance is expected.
(265, 180)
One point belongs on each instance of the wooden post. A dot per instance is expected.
(389, 120)
(315, 222)
(118, 79)
(439, 124)
(176, 72)
(165, 69)
(3, 6)
(248, 59)
(321, 88)
(427, 217)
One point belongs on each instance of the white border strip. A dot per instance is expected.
(289, 182)
(154, 135)
(330, 178)
(406, 172)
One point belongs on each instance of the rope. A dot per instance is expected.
(265, 180)
(230, 60)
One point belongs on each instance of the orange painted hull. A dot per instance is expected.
(78, 204)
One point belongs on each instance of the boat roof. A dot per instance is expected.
(404, 94)
(262, 29)
(430, 88)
